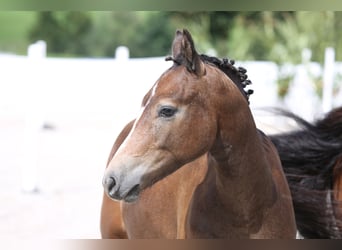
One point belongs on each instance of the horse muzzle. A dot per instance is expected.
(112, 187)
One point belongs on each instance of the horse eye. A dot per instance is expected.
(167, 112)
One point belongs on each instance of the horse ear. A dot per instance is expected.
(184, 53)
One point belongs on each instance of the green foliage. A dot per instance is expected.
(110, 30)
(158, 32)
(281, 36)
(144, 33)
(98, 34)
(64, 32)
(274, 36)
(14, 26)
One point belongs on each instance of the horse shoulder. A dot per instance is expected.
(111, 222)
(283, 200)
(273, 159)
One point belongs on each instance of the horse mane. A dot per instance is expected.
(308, 156)
(237, 75)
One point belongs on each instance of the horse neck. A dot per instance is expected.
(238, 159)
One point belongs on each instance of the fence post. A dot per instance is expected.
(328, 79)
(33, 117)
(301, 98)
(122, 53)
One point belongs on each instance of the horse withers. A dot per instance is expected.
(193, 164)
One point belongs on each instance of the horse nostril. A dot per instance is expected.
(109, 183)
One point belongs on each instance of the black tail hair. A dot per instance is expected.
(308, 156)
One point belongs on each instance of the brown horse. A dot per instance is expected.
(312, 161)
(193, 164)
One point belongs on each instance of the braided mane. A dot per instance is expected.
(237, 75)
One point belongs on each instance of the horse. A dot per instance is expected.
(193, 164)
(311, 157)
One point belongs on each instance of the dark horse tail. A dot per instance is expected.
(308, 156)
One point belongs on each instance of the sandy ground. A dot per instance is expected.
(70, 163)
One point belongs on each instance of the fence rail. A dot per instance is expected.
(58, 88)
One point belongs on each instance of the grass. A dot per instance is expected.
(14, 30)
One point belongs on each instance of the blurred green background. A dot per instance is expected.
(266, 35)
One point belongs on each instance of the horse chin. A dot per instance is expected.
(133, 194)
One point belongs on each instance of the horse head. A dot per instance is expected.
(178, 122)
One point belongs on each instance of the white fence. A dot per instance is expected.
(83, 91)
(55, 89)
